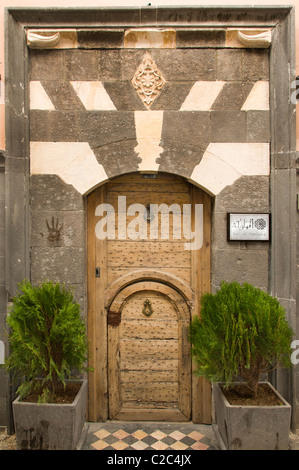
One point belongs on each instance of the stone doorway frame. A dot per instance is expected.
(282, 279)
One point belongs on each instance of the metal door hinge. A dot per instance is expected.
(113, 318)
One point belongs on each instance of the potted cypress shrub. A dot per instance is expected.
(48, 343)
(240, 336)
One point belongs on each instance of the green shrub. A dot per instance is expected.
(47, 338)
(242, 332)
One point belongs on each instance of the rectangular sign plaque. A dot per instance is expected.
(248, 227)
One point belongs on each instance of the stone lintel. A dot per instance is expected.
(143, 38)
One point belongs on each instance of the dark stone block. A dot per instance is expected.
(58, 228)
(63, 96)
(185, 137)
(54, 126)
(2, 271)
(179, 158)
(50, 193)
(189, 127)
(258, 126)
(2, 193)
(2, 158)
(124, 96)
(229, 64)
(255, 64)
(3, 304)
(81, 65)
(60, 264)
(16, 165)
(119, 64)
(80, 294)
(185, 64)
(247, 194)
(2, 242)
(46, 64)
(118, 158)
(241, 265)
(3, 383)
(228, 126)
(104, 127)
(2, 218)
(232, 96)
(97, 38)
(200, 38)
(172, 96)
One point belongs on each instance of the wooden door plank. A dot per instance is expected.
(145, 364)
(153, 392)
(113, 371)
(170, 415)
(147, 254)
(97, 324)
(147, 349)
(135, 376)
(91, 317)
(159, 329)
(115, 272)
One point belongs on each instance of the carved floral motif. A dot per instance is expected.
(148, 81)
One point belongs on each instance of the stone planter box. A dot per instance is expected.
(50, 426)
(252, 427)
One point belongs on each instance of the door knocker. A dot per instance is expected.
(147, 309)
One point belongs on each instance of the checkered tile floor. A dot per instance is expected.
(148, 436)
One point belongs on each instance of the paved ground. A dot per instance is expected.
(117, 435)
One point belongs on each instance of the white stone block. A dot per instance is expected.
(148, 134)
(202, 96)
(223, 163)
(93, 95)
(258, 98)
(39, 98)
(74, 162)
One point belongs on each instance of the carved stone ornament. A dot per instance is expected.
(148, 81)
(42, 41)
(260, 40)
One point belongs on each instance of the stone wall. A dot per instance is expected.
(207, 120)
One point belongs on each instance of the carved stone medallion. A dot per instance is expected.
(148, 81)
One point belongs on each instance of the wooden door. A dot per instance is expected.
(119, 263)
(149, 373)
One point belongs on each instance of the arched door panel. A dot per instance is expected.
(149, 369)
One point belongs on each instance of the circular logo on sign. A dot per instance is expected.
(260, 224)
